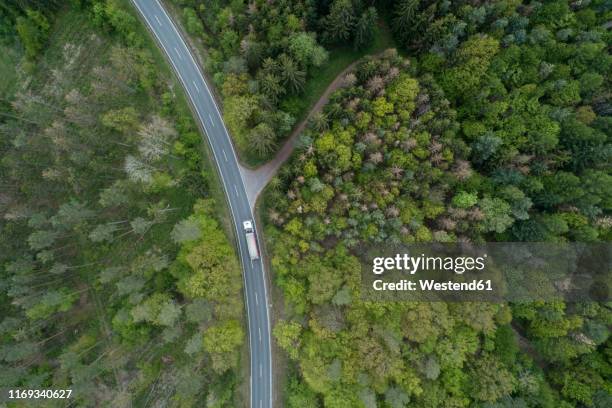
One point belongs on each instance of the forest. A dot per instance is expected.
(462, 121)
(118, 279)
(492, 123)
(263, 55)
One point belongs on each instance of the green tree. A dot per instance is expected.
(497, 214)
(270, 86)
(192, 22)
(490, 380)
(291, 75)
(32, 29)
(472, 62)
(300, 395)
(304, 48)
(464, 199)
(53, 301)
(365, 28)
(340, 22)
(222, 342)
(122, 120)
(287, 335)
(405, 15)
(263, 139)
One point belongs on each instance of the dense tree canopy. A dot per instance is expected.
(261, 54)
(258, 53)
(497, 129)
(491, 123)
(116, 281)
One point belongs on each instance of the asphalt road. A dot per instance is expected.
(188, 72)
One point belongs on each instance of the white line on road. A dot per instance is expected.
(178, 53)
(158, 21)
(260, 370)
(224, 155)
(236, 190)
(259, 329)
(211, 120)
(256, 299)
(196, 86)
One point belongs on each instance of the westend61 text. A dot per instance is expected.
(431, 285)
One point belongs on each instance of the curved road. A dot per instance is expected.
(211, 121)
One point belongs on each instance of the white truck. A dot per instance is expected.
(249, 232)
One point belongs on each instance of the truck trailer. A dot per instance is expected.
(249, 233)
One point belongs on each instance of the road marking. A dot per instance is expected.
(158, 21)
(224, 155)
(196, 86)
(259, 329)
(236, 190)
(256, 299)
(260, 370)
(178, 53)
(211, 120)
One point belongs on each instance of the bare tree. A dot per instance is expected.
(137, 170)
(155, 139)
